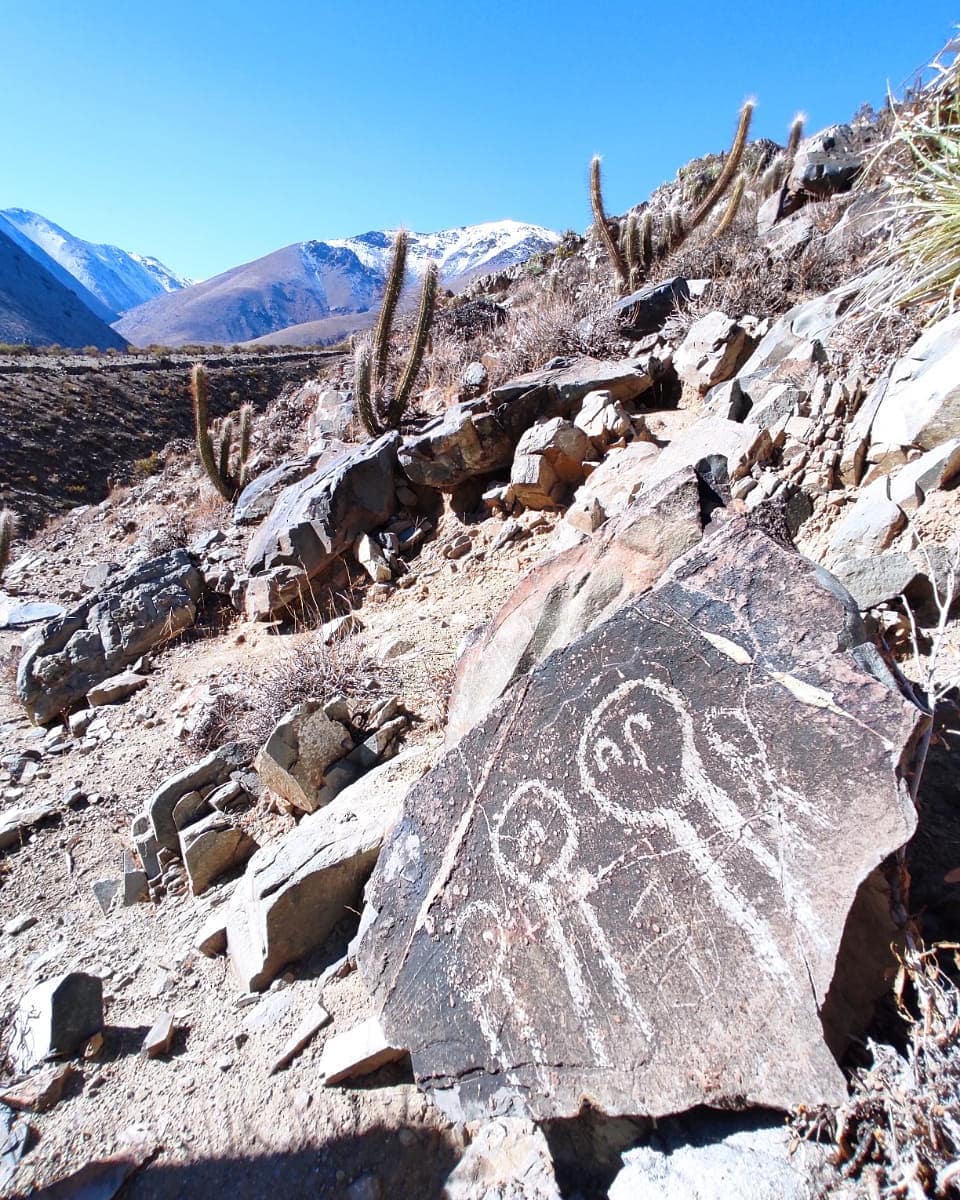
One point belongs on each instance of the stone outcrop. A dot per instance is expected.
(259, 496)
(212, 846)
(296, 889)
(200, 777)
(316, 519)
(297, 754)
(508, 1157)
(921, 405)
(628, 886)
(480, 436)
(573, 592)
(109, 630)
(55, 1018)
(716, 1156)
(829, 161)
(714, 349)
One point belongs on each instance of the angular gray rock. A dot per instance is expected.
(211, 847)
(574, 591)
(209, 772)
(829, 161)
(506, 1158)
(259, 496)
(921, 406)
(480, 436)
(714, 349)
(15, 823)
(629, 884)
(296, 889)
(106, 632)
(647, 310)
(304, 743)
(55, 1018)
(718, 1156)
(115, 688)
(317, 519)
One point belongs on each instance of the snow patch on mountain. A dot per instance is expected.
(120, 280)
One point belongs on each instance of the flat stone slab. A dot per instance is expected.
(628, 886)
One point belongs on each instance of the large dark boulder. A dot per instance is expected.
(109, 630)
(627, 887)
(316, 519)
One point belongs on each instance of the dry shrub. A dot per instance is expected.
(309, 670)
(899, 1133)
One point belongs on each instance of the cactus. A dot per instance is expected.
(388, 308)
(632, 261)
(730, 169)
(428, 300)
(793, 138)
(8, 531)
(603, 226)
(646, 240)
(778, 172)
(630, 247)
(225, 463)
(371, 368)
(733, 205)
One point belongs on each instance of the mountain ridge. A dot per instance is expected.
(311, 281)
(118, 280)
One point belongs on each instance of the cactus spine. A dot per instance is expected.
(8, 531)
(225, 464)
(371, 366)
(603, 226)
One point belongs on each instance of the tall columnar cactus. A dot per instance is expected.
(733, 206)
(730, 168)
(372, 365)
(630, 247)
(603, 226)
(778, 172)
(646, 241)
(8, 531)
(388, 308)
(224, 459)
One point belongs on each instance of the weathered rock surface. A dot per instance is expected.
(716, 1156)
(921, 406)
(303, 745)
(829, 161)
(15, 823)
(358, 1051)
(572, 592)
(714, 349)
(317, 519)
(296, 889)
(211, 847)
(480, 436)
(506, 1158)
(55, 1018)
(714, 446)
(647, 310)
(628, 886)
(115, 688)
(108, 631)
(259, 496)
(210, 771)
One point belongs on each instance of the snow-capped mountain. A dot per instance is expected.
(312, 283)
(118, 279)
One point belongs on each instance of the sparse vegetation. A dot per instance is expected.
(223, 453)
(380, 401)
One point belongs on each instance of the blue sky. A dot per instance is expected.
(209, 133)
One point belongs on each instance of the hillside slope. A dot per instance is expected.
(312, 281)
(39, 309)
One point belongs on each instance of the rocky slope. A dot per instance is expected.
(119, 279)
(321, 282)
(532, 801)
(37, 307)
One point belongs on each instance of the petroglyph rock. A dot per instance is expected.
(628, 886)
